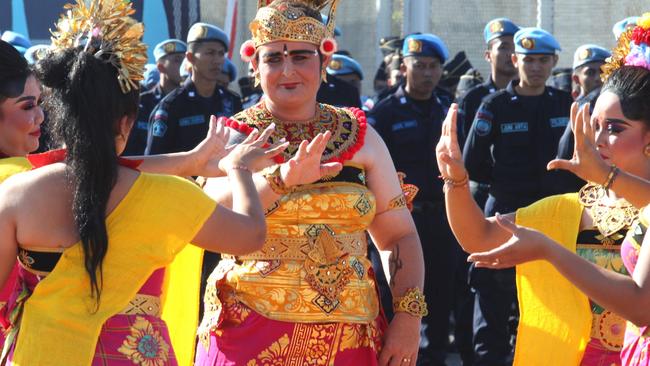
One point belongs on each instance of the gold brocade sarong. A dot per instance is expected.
(313, 267)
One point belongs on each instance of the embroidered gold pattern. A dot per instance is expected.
(341, 122)
(607, 219)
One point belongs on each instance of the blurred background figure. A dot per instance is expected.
(19, 41)
(159, 81)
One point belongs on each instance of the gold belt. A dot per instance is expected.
(298, 248)
(143, 305)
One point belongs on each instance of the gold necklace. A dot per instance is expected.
(608, 219)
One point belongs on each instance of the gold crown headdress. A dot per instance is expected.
(279, 20)
(107, 31)
(632, 49)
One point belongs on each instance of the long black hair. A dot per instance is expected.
(14, 72)
(85, 102)
(632, 86)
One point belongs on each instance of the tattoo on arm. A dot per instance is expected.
(394, 264)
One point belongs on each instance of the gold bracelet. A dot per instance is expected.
(412, 302)
(274, 179)
(450, 183)
(613, 173)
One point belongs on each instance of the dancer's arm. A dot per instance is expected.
(396, 237)
(624, 295)
(8, 240)
(304, 168)
(588, 165)
(472, 230)
(203, 160)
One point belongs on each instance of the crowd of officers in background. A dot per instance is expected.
(511, 123)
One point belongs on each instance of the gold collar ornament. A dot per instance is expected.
(107, 31)
(608, 219)
(287, 20)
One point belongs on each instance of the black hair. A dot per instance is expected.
(86, 102)
(632, 86)
(14, 71)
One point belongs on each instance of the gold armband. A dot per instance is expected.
(412, 302)
(274, 179)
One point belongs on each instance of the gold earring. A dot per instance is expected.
(646, 151)
(323, 75)
(257, 79)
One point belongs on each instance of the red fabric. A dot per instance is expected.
(57, 156)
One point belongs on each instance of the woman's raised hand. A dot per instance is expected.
(251, 153)
(305, 167)
(586, 162)
(448, 154)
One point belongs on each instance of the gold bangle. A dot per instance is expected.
(450, 183)
(613, 173)
(274, 179)
(412, 302)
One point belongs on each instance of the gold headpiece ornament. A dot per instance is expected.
(631, 49)
(107, 31)
(286, 20)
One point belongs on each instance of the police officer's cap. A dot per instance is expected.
(425, 45)
(19, 41)
(230, 69)
(499, 27)
(168, 47)
(535, 41)
(589, 53)
(344, 65)
(35, 53)
(623, 25)
(390, 44)
(202, 32)
(337, 30)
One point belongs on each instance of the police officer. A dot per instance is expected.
(169, 55)
(338, 93)
(498, 35)
(409, 121)
(228, 74)
(180, 121)
(519, 129)
(347, 69)
(587, 61)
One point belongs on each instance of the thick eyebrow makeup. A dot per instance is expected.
(22, 99)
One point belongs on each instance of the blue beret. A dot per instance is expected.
(589, 53)
(200, 32)
(337, 30)
(35, 53)
(623, 25)
(425, 45)
(19, 41)
(499, 27)
(184, 69)
(343, 65)
(532, 41)
(230, 69)
(167, 47)
(151, 76)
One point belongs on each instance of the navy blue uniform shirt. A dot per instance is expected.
(411, 129)
(468, 105)
(138, 136)
(519, 135)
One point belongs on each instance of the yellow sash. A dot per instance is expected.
(181, 302)
(60, 325)
(555, 317)
(11, 166)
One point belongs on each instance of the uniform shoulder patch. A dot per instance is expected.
(483, 127)
(159, 128)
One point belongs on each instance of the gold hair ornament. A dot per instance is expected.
(107, 31)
